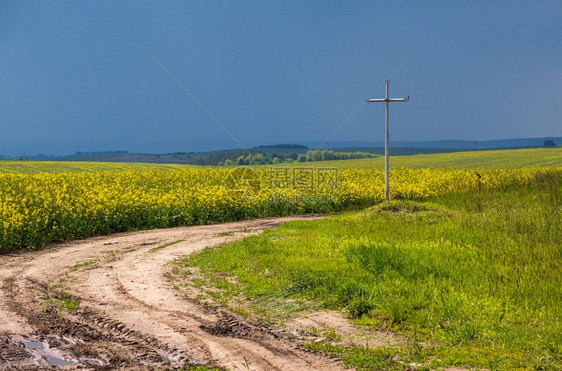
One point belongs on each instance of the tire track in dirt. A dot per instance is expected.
(130, 317)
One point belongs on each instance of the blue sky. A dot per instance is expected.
(79, 75)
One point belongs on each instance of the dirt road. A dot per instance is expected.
(129, 316)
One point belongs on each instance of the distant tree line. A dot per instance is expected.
(259, 158)
(329, 155)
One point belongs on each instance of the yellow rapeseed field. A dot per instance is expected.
(41, 208)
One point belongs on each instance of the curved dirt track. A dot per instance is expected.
(129, 316)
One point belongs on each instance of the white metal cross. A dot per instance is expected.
(386, 154)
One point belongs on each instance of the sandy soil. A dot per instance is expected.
(129, 315)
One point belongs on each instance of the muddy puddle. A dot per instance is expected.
(23, 353)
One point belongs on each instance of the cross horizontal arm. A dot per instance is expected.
(389, 100)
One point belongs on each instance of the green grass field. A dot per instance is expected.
(469, 280)
(497, 159)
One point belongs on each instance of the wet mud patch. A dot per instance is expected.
(36, 352)
(53, 351)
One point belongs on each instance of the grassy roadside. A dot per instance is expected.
(473, 277)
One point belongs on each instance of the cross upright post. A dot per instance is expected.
(387, 100)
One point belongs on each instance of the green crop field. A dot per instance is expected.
(497, 159)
